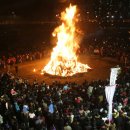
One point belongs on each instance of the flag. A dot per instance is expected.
(109, 91)
(113, 75)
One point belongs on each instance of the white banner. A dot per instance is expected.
(109, 91)
(113, 75)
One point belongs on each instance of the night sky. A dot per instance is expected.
(32, 8)
(43, 8)
(25, 8)
(23, 36)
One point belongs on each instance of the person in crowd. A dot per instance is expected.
(40, 106)
(68, 106)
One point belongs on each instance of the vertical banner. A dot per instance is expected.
(113, 75)
(109, 91)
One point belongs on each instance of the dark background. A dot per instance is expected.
(28, 24)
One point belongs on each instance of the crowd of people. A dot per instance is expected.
(106, 47)
(68, 106)
(12, 59)
(110, 46)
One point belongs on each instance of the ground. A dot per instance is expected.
(100, 70)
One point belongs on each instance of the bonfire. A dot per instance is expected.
(64, 59)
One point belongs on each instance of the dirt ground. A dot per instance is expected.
(100, 70)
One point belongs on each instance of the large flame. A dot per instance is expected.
(63, 60)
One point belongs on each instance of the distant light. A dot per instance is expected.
(107, 16)
(112, 16)
(96, 16)
(121, 17)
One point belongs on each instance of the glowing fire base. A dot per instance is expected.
(65, 68)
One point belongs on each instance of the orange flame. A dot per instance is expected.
(63, 60)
